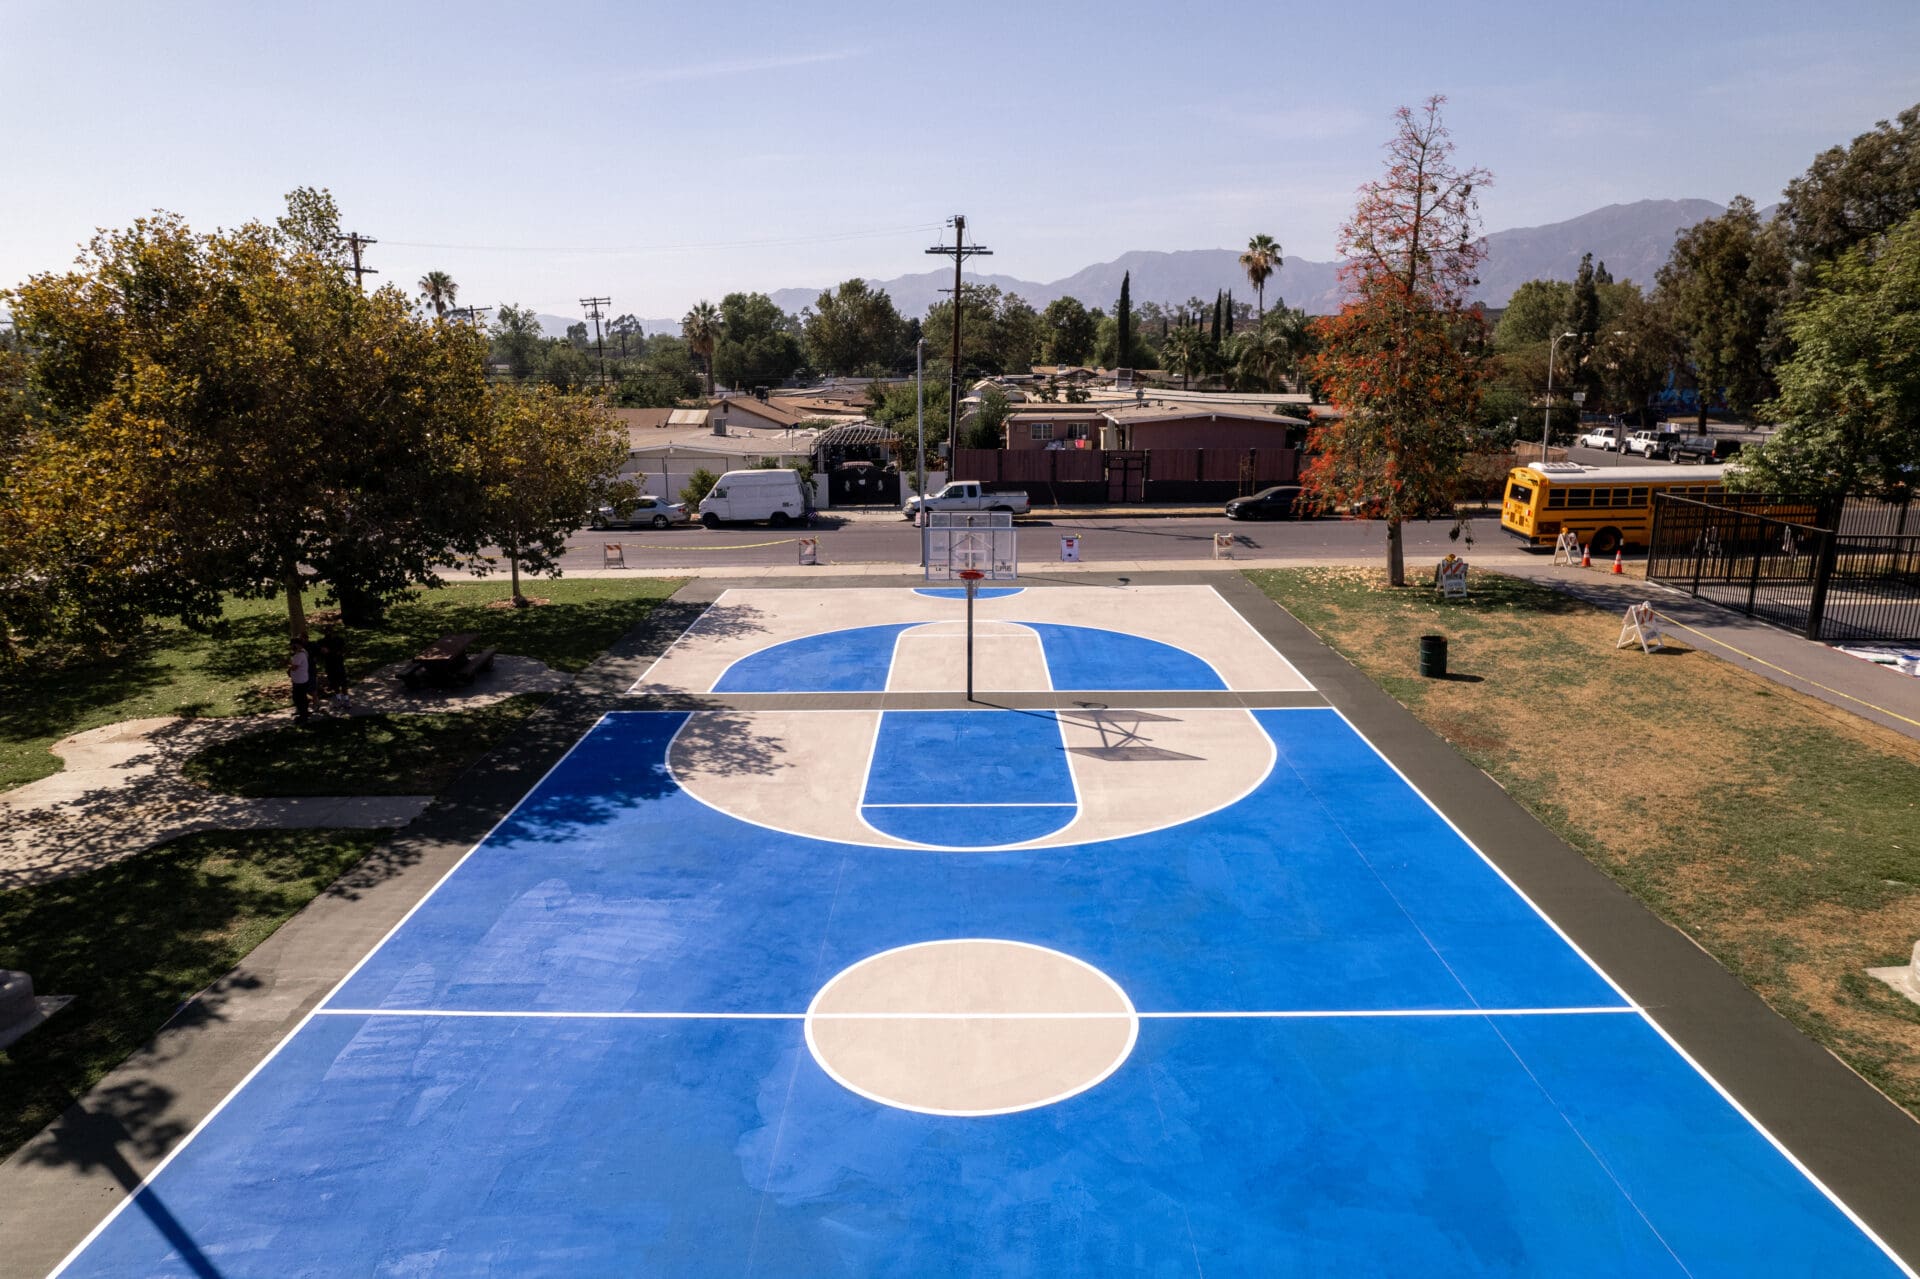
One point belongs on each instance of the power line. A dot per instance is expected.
(471, 314)
(960, 251)
(593, 306)
(772, 242)
(359, 242)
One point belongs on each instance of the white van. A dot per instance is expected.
(776, 496)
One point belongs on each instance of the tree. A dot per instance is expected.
(542, 464)
(1260, 261)
(516, 339)
(759, 344)
(1636, 352)
(1399, 360)
(1537, 311)
(855, 330)
(1070, 330)
(1219, 304)
(986, 427)
(1722, 283)
(1123, 320)
(246, 421)
(698, 485)
(624, 327)
(1185, 352)
(1261, 357)
(1852, 195)
(1000, 332)
(565, 367)
(438, 290)
(701, 328)
(1850, 396)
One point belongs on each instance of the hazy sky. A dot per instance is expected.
(663, 153)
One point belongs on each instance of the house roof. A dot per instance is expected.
(1155, 411)
(738, 442)
(767, 410)
(1037, 412)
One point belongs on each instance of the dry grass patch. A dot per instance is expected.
(1780, 833)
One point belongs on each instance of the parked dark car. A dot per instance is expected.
(1281, 502)
(1703, 448)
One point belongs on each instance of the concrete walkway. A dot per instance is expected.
(1872, 692)
(123, 792)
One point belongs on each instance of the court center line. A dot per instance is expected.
(1274, 1014)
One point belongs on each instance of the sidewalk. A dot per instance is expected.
(1872, 692)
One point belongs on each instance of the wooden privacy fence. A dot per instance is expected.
(1066, 477)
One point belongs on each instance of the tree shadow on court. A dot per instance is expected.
(709, 742)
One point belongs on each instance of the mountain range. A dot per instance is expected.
(1632, 239)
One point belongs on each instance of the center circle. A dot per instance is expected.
(970, 1026)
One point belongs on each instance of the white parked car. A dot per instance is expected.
(1651, 443)
(1600, 437)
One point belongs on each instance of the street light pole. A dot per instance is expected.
(1546, 418)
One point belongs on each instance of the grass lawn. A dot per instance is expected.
(132, 941)
(240, 665)
(1780, 833)
(361, 755)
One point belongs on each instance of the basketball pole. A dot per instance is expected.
(972, 578)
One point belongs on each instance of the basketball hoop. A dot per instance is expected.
(970, 575)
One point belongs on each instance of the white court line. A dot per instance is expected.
(1645, 1016)
(691, 627)
(1271, 646)
(320, 1007)
(1272, 1014)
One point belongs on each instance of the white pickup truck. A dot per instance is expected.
(966, 495)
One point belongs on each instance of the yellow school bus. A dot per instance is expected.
(1606, 507)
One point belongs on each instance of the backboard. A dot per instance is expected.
(993, 551)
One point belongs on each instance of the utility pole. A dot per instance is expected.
(359, 242)
(471, 314)
(960, 251)
(593, 306)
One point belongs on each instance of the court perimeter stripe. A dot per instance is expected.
(1272, 1014)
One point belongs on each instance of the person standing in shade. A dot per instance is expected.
(333, 656)
(300, 674)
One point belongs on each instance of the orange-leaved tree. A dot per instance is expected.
(1400, 362)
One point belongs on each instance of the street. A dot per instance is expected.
(885, 538)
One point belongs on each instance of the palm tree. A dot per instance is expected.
(1295, 329)
(438, 290)
(1262, 356)
(1260, 261)
(1184, 351)
(701, 327)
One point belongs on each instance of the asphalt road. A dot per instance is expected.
(884, 538)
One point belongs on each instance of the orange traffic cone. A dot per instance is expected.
(1616, 563)
(1586, 559)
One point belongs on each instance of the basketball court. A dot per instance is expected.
(1144, 962)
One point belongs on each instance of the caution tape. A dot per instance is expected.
(1761, 661)
(734, 546)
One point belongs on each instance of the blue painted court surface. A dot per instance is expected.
(1079, 658)
(1360, 1053)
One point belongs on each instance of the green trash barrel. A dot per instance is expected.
(1433, 656)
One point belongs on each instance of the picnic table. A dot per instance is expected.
(451, 659)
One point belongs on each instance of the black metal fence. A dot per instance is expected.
(1829, 571)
